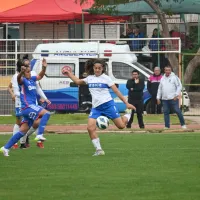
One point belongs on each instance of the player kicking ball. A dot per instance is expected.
(102, 102)
(33, 115)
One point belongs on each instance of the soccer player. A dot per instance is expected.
(102, 102)
(33, 115)
(13, 89)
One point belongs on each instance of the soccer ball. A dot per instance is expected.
(102, 122)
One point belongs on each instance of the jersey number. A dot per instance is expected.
(32, 115)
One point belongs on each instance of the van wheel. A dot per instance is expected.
(148, 107)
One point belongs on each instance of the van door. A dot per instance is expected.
(59, 89)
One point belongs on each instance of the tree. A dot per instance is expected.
(156, 5)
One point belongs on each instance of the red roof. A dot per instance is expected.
(47, 10)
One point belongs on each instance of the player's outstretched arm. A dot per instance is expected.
(119, 94)
(74, 78)
(41, 93)
(44, 67)
(19, 76)
(11, 91)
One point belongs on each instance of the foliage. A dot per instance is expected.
(193, 37)
(109, 6)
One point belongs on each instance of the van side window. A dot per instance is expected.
(123, 71)
(54, 70)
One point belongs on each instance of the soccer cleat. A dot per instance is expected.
(99, 153)
(184, 127)
(27, 142)
(27, 145)
(23, 146)
(128, 126)
(166, 128)
(40, 145)
(40, 138)
(4, 151)
(15, 146)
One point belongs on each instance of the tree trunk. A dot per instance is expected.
(161, 16)
(193, 64)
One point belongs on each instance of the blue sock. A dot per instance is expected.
(14, 139)
(43, 123)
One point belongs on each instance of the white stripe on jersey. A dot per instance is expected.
(99, 88)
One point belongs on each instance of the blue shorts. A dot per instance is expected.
(30, 114)
(18, 112)
(107, 109)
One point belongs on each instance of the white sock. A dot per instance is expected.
(23, 139)
(128, 116)
(31, 131)
(15, 129)
(96, 143)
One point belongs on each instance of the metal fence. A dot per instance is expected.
(12, 50)
(191, 81)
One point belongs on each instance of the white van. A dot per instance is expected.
(62, 92)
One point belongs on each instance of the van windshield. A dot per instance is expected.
(124, 71)
(148, 71)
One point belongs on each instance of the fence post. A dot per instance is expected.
(180, 73)
(182, 80)
(16, 52)
(98, 48)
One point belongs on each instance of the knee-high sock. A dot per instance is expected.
(31, 131)
(15, 129)
(43, 123)
(23, 139)
(14, 139)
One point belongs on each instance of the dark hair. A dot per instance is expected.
(89, 64)
(168, 66)
(25, 57)
(155, 29)
(19, 65)
(137, 26)
(135, 71)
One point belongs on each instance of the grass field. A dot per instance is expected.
(82, 119)
(136, 167)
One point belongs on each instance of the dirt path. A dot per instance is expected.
(83, 128)
(194, 119)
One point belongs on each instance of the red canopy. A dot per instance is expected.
(48, 10)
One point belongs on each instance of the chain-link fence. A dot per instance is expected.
(191, 82)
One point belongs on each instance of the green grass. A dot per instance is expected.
(82, 119)
(136, 167)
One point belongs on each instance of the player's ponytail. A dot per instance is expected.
(19, 65)
(89, 66)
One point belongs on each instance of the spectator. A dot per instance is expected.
(169, 91)
(152, 86)
(127, 35)
(137, 45)
(135, 88)
(157, 45)
(85, 96)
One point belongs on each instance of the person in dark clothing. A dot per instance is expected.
(85, 96)
(135, 88)
(127, 35)
(152, 86)
(157, 45)
(137, 45)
